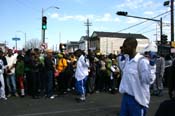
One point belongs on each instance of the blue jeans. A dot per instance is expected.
(49, 83)
(11, 80)
(130, 107)
(81, 86)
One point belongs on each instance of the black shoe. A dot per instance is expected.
(80, 100)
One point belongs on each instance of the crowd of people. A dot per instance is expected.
(39, 73)
(44, 73)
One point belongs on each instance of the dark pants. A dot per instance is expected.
(101, 80)
(35, 83)
(28, 87)
(49, 83)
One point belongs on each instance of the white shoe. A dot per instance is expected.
(9, 95)
(3, 98)
(52, 97)
(16, 95)
(68, 89)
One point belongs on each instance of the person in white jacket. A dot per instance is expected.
(135, 82)
(81, 75)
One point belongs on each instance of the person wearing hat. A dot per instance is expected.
(61, 67)
(114, 77)
(49, 68)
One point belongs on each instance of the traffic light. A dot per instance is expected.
(122, 13)
(164, 39)
(44, 22)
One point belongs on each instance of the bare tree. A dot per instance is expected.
(33, 43)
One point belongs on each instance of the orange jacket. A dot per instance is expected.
(62, 64)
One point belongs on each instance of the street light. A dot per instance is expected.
(42, 15)
(24, 37)
(122, 13)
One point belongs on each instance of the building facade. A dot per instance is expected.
(72, 46)
(110, 42)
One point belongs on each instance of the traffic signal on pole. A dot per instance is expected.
(122, 13)
(44, 22)
(164, 39)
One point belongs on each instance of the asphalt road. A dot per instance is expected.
(101, 104)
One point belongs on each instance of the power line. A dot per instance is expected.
(143, 22)
(146, 27)
(149, 30)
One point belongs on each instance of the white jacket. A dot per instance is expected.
(136, 81)
(82, 69)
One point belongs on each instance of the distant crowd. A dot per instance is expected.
(39, 73)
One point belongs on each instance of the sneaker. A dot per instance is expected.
(110, 89)
(52, 97)
(97, 91)
(3, 98)
(73, 88)
(9, 95)
(16, 95)
(80, 100)
(68, 89)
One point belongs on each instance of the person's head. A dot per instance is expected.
(37, 52)
(78, 53)
(10, 52)
(147, 54)
(129, 46)
(49, 52)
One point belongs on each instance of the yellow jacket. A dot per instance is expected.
(62, 64)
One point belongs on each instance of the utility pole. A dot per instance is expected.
(88, 24)
(172, 20)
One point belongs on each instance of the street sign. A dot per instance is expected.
(43, 46)
(16, 39)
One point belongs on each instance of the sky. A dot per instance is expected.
(20, 17)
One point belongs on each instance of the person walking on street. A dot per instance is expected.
(49, 68)
(19, 71)
(135, 82)
(81, 75)
(10, 71)
(158, 83)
